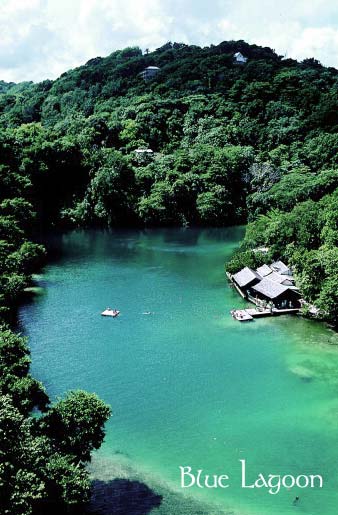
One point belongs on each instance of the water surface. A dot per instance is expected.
(188, 385)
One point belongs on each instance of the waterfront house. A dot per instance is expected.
(150, 72)
(264, 270)
(280, 268)
(239, 58)
(246, 278)
(286, 280)
(282, 296)
(144, 155)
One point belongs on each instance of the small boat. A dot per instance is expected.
(110, 312)
(241, 314)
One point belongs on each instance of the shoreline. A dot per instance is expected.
(120, 489)
(119, 472)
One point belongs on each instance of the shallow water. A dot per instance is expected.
(188, 385)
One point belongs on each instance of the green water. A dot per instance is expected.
(188, 385)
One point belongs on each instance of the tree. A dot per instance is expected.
(33, 476)
(26, 392)
(75, 424)
(22, 460)
(213, 207)
(111, 189)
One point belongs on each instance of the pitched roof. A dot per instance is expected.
(280, 267)
(264, 270)
(278, 278)
(245, 276)
(269, 288)
(240, 57)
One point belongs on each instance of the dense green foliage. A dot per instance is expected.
(230, 143)
(42, 457)
(219, 132)
(306, 237)
(42, 467)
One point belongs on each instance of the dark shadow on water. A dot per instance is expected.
(122, 497)
(306, 379)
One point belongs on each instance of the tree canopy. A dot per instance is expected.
(227, 144)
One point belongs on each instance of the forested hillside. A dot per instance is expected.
(231, 143)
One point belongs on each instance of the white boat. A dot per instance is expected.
(241, 314)
(110, 312)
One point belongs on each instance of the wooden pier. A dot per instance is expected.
(244, 315)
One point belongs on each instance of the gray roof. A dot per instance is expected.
(152, 68)
(264, 270)
(245, 276)
(280, 267)
(278, 278)
(269, 288)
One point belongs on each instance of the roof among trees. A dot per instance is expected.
(270, 289)
(264, 270)
(246, 276)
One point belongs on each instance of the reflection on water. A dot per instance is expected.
(188, 385)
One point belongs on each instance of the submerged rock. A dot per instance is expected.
(303, 373)
(122, 497)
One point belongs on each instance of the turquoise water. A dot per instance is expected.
(188, 385)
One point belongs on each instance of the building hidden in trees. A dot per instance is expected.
(150, 72)
(240, 58)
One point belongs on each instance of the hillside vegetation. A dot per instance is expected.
(231, 144)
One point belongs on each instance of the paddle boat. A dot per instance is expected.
(110, 312)
(241, 315)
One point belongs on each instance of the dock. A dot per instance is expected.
(271, 290)
(244, 315)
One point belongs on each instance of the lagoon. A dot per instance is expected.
(188, 385)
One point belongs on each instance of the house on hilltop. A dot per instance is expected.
(143, 155)
(239, 58)
(150, 72)
(144, 151)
